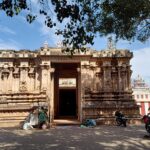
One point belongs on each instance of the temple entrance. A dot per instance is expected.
(67, 102)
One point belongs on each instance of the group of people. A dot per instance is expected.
(37, 118)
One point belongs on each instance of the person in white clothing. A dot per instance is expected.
(32, 120)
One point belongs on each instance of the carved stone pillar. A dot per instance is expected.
(45, 75)
(31, 76)
(5, 76)
(92, 70)
(80, 92)
(119, 79)
(23, 73)
(100, 85)
(124, 78)
(51, 93)
(129, 77)
(10, 80)
(23, 84)
(107, 83)
(86, 78)
(83, 86)
(97, 79)
(37, 79)
(16, 79)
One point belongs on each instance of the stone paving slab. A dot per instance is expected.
(76, 138)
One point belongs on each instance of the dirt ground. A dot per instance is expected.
(76, 138)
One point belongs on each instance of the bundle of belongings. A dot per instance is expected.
(89, 123)
(37, 118)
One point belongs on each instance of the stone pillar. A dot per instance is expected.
(129, 77)
(37, 79)
(46, 85)
(83, 85)
(93, 73)
(31, 86)
(80, 94)
(23, 73)
(104, 79)
(43, 78)
(114, 75)
(10, 80)
(51, 93)
(125, 81)
(15, 83)
(85, 79)
(5, 76)
(23, 84)
(124, 78)
(100, 75)
(107, 83)
(119, 79)
(45, 75)
(92, 77)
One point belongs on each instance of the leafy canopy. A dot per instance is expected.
(83, 19)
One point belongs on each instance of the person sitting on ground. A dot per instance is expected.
(43, 118)
(120, 118)
(32, 120)
(118, 114)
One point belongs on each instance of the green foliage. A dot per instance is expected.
(127, 19)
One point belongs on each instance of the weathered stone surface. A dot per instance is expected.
(102, 82)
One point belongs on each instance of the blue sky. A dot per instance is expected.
(16, 33)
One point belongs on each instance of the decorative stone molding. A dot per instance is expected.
(115, 53)
(31, 73)
(5, 73)
(23, 86)
(52, 70)
(45, 66)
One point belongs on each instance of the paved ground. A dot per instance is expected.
(76, 138)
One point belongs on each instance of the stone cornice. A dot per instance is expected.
(57, 52)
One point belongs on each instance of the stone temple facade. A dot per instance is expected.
(93, 84)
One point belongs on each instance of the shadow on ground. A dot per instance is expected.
(76, 138)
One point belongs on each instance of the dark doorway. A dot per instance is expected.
(67, 102)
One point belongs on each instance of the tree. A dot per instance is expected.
(82, 20)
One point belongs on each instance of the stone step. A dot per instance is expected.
(12, 118)
(12, 123)
(66, 122)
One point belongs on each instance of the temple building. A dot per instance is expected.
(141, 92)
(93, 84)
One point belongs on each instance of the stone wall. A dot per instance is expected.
(103, 80)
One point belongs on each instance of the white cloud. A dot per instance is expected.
(4, 29)
(9, 44)
(48, 34)
(141, 63)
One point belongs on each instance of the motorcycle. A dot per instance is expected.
(146, 119)
(120, 119)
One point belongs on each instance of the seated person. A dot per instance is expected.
(32, 120)
(43, 118)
